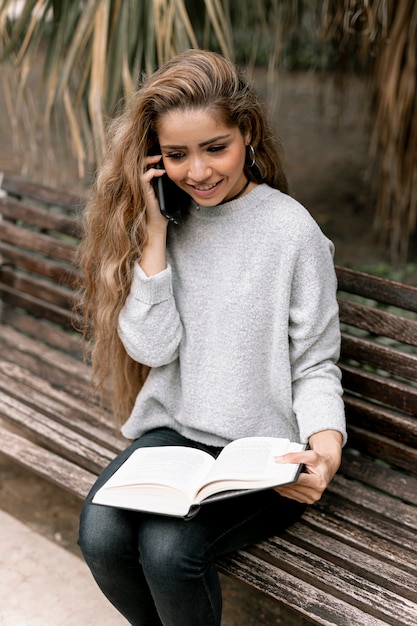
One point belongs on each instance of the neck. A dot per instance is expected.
(240, 193)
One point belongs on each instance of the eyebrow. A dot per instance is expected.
(201, 145)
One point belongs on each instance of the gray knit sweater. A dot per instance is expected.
(241, 330)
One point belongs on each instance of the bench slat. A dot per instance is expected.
(361, 538)
(374, 474)
(58, 272)
(43, 244)
(389, 359)
(378, 321)
(383, 421)
(294, 592)
(54, 336)
(372, 566)
(338, 581)
(54, 197)
(318, 606)
(61, 472)
(55, 314)
(378, 446)
(61, 370)
(384, 390)
(376, 288)
(15, 210)
(376, 502)
(84, 418)
(54, 436)
(41, 289)
(352, 509)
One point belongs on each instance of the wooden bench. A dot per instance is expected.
(352, 559)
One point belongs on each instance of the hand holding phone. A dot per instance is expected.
(160, 194)
(173, 202)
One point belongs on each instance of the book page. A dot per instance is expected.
(248, 461)
(173, 466)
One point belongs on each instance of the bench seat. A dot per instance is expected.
(352, 559)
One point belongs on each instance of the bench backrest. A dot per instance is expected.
(39, 232)
(40, 229)
(379, 365)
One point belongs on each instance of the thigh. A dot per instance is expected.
(218, 528)
(153, 438)
(109, 529)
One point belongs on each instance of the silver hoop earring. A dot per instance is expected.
(252, 155)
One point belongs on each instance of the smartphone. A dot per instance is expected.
(173, 201)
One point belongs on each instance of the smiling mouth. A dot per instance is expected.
(206, 187)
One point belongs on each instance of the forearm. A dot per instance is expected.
(153, 258)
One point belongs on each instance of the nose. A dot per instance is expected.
(198, 169)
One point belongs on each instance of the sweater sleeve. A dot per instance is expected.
(315, 340)
(149, 323)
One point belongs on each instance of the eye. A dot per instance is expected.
(216, 148)
(175, 155)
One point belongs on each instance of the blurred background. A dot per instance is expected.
(338, 77)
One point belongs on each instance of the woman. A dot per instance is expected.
(234, 312)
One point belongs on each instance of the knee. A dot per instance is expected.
(166, 554)
(101, 535)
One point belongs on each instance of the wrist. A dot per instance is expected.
(328, 443)
(153, 257)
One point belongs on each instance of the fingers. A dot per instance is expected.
(312, 482)
(308, 489)
(151, 163)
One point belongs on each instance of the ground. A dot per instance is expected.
(325, 141)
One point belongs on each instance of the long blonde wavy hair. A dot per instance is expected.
(115, 215)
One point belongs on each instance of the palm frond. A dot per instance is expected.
(385, 36)
(93, 53)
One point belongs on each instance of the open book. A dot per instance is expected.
(176, 480)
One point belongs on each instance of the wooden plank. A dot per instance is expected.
(380, 447)
(374, 598)
(376, 288)
(294, 592)
(355, 510)
(60, 369)
(44, 463)
(387, 358)
(61, 273)
(45, 332)
(378, 476)
(84, 418)
(378, 322)
(368, 564)
(380, 420)
(41, 289)
(373, 502)
(37, 242)
(17, 187)
(359, 537)
(38, 308)
(384, 390)
(15, 210)
(54, 436)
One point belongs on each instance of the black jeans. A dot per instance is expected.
(161, 570)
